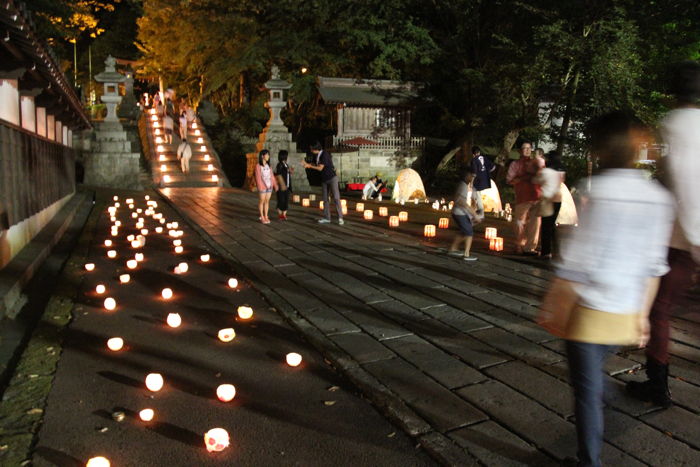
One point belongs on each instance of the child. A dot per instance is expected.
(466, 212)
(265, 181)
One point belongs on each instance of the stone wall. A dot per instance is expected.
(354, 168)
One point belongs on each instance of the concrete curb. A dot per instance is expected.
(441, 448)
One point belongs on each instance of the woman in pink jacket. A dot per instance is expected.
(265, 180)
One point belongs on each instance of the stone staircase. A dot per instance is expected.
(205, 166)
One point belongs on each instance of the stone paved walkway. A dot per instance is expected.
(453, 342)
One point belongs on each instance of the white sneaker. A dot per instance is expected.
(470, 258)
(324, 221)
(341, 222)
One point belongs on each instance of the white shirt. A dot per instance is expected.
(368, 189)
(681, 132)
(184, 150)
(550, 181)
(620, 243)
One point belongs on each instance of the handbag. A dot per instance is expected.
(558, 305)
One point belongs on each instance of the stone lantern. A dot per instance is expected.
(111, 79)
(276, 86)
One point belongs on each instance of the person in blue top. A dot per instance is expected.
(329, 181)
(482, 168)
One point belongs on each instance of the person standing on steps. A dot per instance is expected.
(680, 130)
(266, 183)
(283, 175)
(329, 182)
(184, 153)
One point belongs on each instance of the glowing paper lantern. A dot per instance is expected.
(166, 178)
(216, 439)
(369, 214)
(429, 231)
(498, 245)
(207, 158)
(394, 221)
(197, 132)
(383, 211)
(167, 293)
(110, 303)
(360, 207)
(159, 229)
(226, 392)
(144, 232)
(343, 202)
(154, 382)
(160, 149)
(115, 344)
(177, 242)
(233, 283)
(403, 216)
(210, 167)
(490, 233)
(296, 198)
(130, 238)
(203, 148)
(98, 462)
(226, 335)
(245, 312)
(320, 204)
(175, 225)
(194, 125)
(124, 278)
(146, 415)
(200, 140)
(115, 198)
(306, 202)
(205, 258)
(214, 178)
(293, 359)
(134, 215)
(89, 266)
(161, 158)
(132, 264)
(138, 257)
(178, 249)
(112, 254)
(118, 223)
(159, 140)
(444, 222)
(174, 320)
(100, 289)
(344, 210)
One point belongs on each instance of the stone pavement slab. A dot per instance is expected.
(447, 349)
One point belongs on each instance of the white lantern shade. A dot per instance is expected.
(115, 344)
(216, 439)
(110, 303)
(245, 312)
(154, 382)
(147, 415)
(293, 359)
(226, 335)
(226, 392)
(174, 320)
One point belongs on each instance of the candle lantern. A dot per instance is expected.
(166, 178)
(89, 266)
(320, 204)
(383, 211)
(306, 202)
(394, 221)
(110, 303)
(216, 439)
(360, 207)
(312, 197)
(154, 382)
(174, 320)
(124, 278)
(112, 254)
(146, 415)
(296, 198)
(100, 289)
(226, 334)
(293, 359)
(197, 132)
(132, 264)
(444, 222)
(205, 258)
(159, 229)
(429, 231)
(184, 267)
(130, 238)
(233, 283)
(498, 245)
(138, 257)
(206, 158)
(177, 242)
(490, 233)
(210, 167)
(369, 214)
(343, 202)
(492, 243)
(144, 232)
(403, 216)
(135, 244)
(245, 312)
(108, 243)
(167, 293)
(115, 344)
(98, 462)
(178, 249)
(344, 210)
(226, 392)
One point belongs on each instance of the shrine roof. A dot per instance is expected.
(366, 92)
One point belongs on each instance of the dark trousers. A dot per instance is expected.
(282, 200)
(548, 230)
(331, 185)
(586, 363)
(671, 289)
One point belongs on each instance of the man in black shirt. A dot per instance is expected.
(329, 181)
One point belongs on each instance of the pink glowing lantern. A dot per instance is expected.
(444, 223)
(226, 392)
(112, 254)
(174, 320)
(293, 359)
(205, 258)
(124, 278)
(226, 334)
(115, 344)
(146, 415)
(100, 289)
(216, 439)
(132, 264)
(98, 462)
(245, 312)
(89, 267)
(233, 283)
(154, 382)
(110, 304)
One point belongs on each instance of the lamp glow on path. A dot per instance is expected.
(359, 207)
(178, 249)
(124, 278)
(490, 233)
(293, 359)
(174, 320)
(232, 283)
(110, 303)
(214, 178)
(146, 415)
(306, 202)
(216, 439)
(89, 266)
(207, 158)
(226, 392)
(226, 334)
(245, 312)
(138, 257)
(205, 258)
(130, 238)
(98, 462)
(444, 223)
(321, 204)
(159, 229)
(369, 214)
(154, 382)
(115, 344)
(177, 242)
(100, 289)
(167, 293)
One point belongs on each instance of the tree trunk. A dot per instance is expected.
(566, 121)
(504, 153)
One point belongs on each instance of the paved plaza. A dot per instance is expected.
(411, 357)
